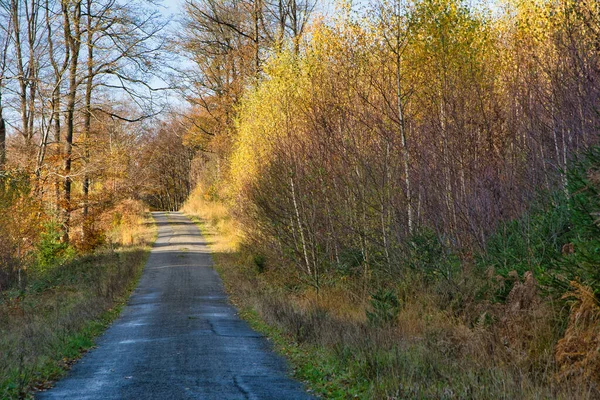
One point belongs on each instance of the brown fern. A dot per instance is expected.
(578, 352)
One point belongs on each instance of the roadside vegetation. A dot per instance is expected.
(519, 319)
(404, 195)
(80, 164)
(68, 299)
(414, 191)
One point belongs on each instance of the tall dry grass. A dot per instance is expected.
(216, 214)
(578, 352)
(128, 224)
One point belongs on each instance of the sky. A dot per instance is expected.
(174, 6)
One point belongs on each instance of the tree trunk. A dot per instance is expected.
(256, 17)
(74, 43)
(59, 71)
(402, 124)
(2, 142)
(87, 117)
(20, 69)
(300, 228)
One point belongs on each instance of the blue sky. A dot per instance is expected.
(174, 6)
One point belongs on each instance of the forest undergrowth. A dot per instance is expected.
(519, 319)
(403, 193)
(68, 298)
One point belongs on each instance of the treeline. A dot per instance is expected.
(414, 116)
(166, 164)
(425, 154)
(79, 95)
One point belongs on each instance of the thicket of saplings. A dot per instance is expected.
(517, 318)
(417, 192)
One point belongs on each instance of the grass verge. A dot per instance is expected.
(47, 326)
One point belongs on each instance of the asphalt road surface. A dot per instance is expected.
(178, 337)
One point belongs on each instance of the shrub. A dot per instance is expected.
(51, 250)
(558, 238)
(260, 262)
(19, 225)
(427, 254)
(8, 263)
(580, 252)
(578, 352)
(351, 260)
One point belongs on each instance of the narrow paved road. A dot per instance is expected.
(178, 337)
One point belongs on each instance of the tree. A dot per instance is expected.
(73, 35)
(26, 42)
(168, 166)
(228, 42)
(122, 45)
(5, 35)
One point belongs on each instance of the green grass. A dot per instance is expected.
(312, 365)
(56, 318)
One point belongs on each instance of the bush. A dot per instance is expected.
(428, 255)
(19, 225)
(8, 263)
(532, 241)
(92, 238)
(351, 260)
(51, 250)
(260, 262)
(580, 255)
(558, 239)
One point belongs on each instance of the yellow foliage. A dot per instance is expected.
(216, 214)
(266, 115)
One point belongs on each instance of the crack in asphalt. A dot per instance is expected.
(242, 390)
(178, 337)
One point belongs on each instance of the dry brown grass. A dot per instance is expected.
(127, 224)
(524, 334)
(578, 352)
(218, 217)
(334, 300)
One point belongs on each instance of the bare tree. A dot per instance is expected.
(58, 57)
(5, 34)
(122, 44)
(73, 35)
(228, 42)
(26, 42)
